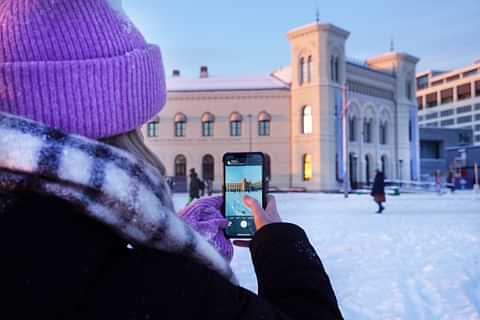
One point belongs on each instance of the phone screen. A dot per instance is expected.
(243, 176)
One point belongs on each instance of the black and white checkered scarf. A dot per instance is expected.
(109, 184)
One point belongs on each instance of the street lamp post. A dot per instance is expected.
(250, 133)
(345, 138)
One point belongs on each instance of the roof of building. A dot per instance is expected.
(440, 74)
(225, 83)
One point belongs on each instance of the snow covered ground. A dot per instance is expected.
(418, 260)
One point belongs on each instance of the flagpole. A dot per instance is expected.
(345, 139)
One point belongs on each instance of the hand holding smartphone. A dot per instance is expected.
(244, 174)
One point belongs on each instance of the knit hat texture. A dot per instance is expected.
(78, 66)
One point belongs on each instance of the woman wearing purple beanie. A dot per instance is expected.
(87, 222)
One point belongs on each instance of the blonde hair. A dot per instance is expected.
(132, 142)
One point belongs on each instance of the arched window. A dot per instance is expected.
(307, 121)
(207, 124)
(180, 166)
(152, 128)
(307, 167)
(301, 70)
(367, 130)
(180, 123)
(408, 89)
(368, 167)
(268, 168)
(264, 120)
(383, 134)
(309, 69)
(236, 124)
(351, 129)
(332, 68)
(337, 69)
(208, 167)
(384, 165)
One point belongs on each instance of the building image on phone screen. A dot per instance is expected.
(240, 181)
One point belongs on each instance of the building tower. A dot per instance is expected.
(407, 158)
(318, 74)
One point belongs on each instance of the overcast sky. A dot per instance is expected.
(249, 36)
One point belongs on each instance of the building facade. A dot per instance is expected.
(450, 99)
(434, 143)
(294, 116)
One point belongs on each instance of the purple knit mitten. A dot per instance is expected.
(204, 216)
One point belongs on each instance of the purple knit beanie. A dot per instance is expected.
(204, 216)
(78, 66)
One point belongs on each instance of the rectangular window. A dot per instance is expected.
(477, 117)
(470, 73)
(432, 100)
(420, 103)
(235, 128)
(430, 116)
(264, 128)
(437, 83)
(152, 129)
(464, 109)
(207, 128)
(464, 91)
(307, 167)
(446, 123)
(477, 127)
(464, 119)
(477, 138)
(446, 96)
(422, 82)
(453, 78)
(430, 149)
(477, 107)
(432, 125)
(446, 113)
(464, 138)
(180, 127)
(477, 88)
(420, 118)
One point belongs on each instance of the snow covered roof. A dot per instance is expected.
(225, 83)
(284, 74)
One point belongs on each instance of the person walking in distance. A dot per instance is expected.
(378, 190)
(194, 187)
(451, 181)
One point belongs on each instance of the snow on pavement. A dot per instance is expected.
(420, 259)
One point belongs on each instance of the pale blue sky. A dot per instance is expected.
(249, 36)
(236, 174)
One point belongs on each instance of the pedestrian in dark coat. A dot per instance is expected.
(451, 181)
(378, 190)
(194, 189)
(87, 223)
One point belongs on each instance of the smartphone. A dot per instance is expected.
(243, 174)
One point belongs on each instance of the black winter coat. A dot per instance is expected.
(56, 263)
(194, 190)
(378, 187)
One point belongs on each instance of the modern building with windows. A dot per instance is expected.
(450, 99)
(434, 143)
(294, 115)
